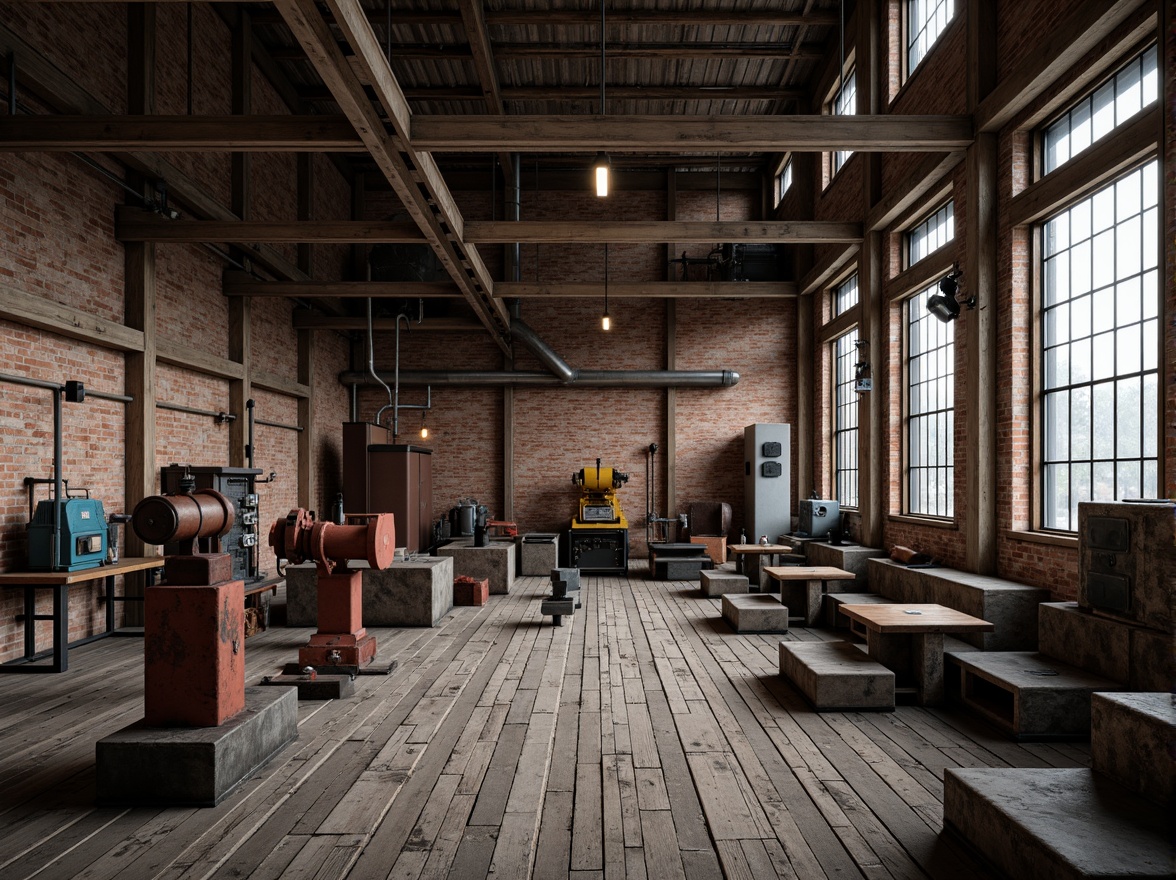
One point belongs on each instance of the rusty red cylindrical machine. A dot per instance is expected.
(301, 538)
(167, 519)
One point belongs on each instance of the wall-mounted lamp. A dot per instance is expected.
(944, 305)
(861, 370)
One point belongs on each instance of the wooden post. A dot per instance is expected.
(671, 451)
(805, 397)
(240, 310)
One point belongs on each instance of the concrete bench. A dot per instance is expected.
(755, 612)
(1130, 741)
(1010, 606)
(415, 593)
(719, 583)
(837, 676)
(833, 617)
(1025, 693)
(1056, 822)
(1139, 657)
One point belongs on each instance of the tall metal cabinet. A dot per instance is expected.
(383, 477)
(767, 480)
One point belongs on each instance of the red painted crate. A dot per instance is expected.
(468, 591)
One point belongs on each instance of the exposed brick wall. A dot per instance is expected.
(1019, 30)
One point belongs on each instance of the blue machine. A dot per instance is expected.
(84, 533)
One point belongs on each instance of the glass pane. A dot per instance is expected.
(1128, 301)
(1127, 421)
(1080, 268)
(1150, 427)
(1130, 483)
(1128, 253)
(1102, 413)
(1103, 110)
(1127, 350)
(1102, 486)
(1080, 424)
(1080, 361)
(1151, 480)
(1057, 426)
(1103, 356)
(1103, 265)
(1150, 346)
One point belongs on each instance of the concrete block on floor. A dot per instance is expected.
(1131, 740)
(1153, 660)
(537, 558)
(414, 593)
(837, 675)
(1025, 693)
(755, 612)
(1096, 644)
(675, 568)
(495, 561)
(848, 557)
(719, 583)
(1056, 823)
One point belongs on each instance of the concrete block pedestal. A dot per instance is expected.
(718, 583)
(837, 676)
(538, 554)
(849, 557)
(414, 593)
(195, 766)
(495, 561)
(755, 612)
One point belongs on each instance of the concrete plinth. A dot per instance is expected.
(1131, 741)
(719, 583)
(1153, 660)
(195, 766)
(321, 687)
(1056, 823)
(557, 608)
(495, 561)
(414, 593)
(674, 568)
(755, 612)
(837, 675)
(847, 557)
(537, 558)
(1025, 693)
(1096, 644)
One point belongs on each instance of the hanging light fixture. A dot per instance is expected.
(424, 427)
(605, 322)
(602, 166)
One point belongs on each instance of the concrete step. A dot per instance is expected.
(1141, 658)
(837, 676)
(1056, 823)
(718, 583)
(755, 612)
(1025, 693)
(1131, 740)
(1010, 606)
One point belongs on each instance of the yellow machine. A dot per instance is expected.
(599, 538)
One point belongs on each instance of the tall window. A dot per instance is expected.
(1100, 348)
(926, 20)
(784, 180)
(932, 234)
(845, 295)
(845, 420)
(845, 104)
(930, 351)
(1130, 89)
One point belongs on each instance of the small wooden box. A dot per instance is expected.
(471, 592)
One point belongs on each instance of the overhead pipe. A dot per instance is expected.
(539, 379)
(521, 331)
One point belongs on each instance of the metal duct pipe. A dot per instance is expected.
(536, 379)
(538, 347)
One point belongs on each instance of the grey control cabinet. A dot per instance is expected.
(767, 481)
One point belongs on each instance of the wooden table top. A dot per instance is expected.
(54, 578)
(808, 573)
(752, 549)
(907, 618)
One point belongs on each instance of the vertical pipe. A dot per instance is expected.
(55, 558)
(249, 404)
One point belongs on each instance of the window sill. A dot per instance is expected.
(1056, 540)
(908, 519)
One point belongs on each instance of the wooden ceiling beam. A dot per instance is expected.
(474, 22)
(652, 289)
(310, 321)
(566, 17)
(675, 134)
(139, 225)
(573, 51)
(242, 284)
(586, 93)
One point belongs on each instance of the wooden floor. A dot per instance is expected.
(641, 739)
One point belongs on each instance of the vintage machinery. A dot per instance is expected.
(599, 536)
(239, 486)
(818, 517)
(84, 531)
(341, 641)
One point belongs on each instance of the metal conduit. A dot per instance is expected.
(537, 346)
(537, 379)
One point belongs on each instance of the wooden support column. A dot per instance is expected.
(139, 312)
(508, 448)
(671, 450)
(805, 397)
(980, 326)
(240, 310)
(873, 442)
(359, 263)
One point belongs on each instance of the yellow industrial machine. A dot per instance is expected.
(599, 537)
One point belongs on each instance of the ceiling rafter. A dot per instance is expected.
(567, 51)
(768, 17)
(413, 174)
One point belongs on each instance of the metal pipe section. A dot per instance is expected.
(538, 379)
(372, 360)
(559, 367)
(221, 416)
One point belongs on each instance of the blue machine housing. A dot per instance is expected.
(84, 533)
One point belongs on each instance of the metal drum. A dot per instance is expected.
(163, 519)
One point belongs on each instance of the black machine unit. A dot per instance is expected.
(599, 550)
(239, 485)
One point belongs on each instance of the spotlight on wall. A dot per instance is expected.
(944, 305)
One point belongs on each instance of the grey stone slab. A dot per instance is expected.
(321, 687)
(1096, 644)
(1131, 739)
(837, 675)
(414, 593)
(718, 583)
(847, 557)
(301, 595)
(755, 612)
(537, 559)
(570, 576)
(1056, 823)
(674, 568)
(1010, 606)
(1153, 660)
(495, 561)
(195, 766)
(557, 606)
(1026, 693)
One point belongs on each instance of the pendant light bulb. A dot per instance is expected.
(424, 427)
(601, 167)
(605, 323)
